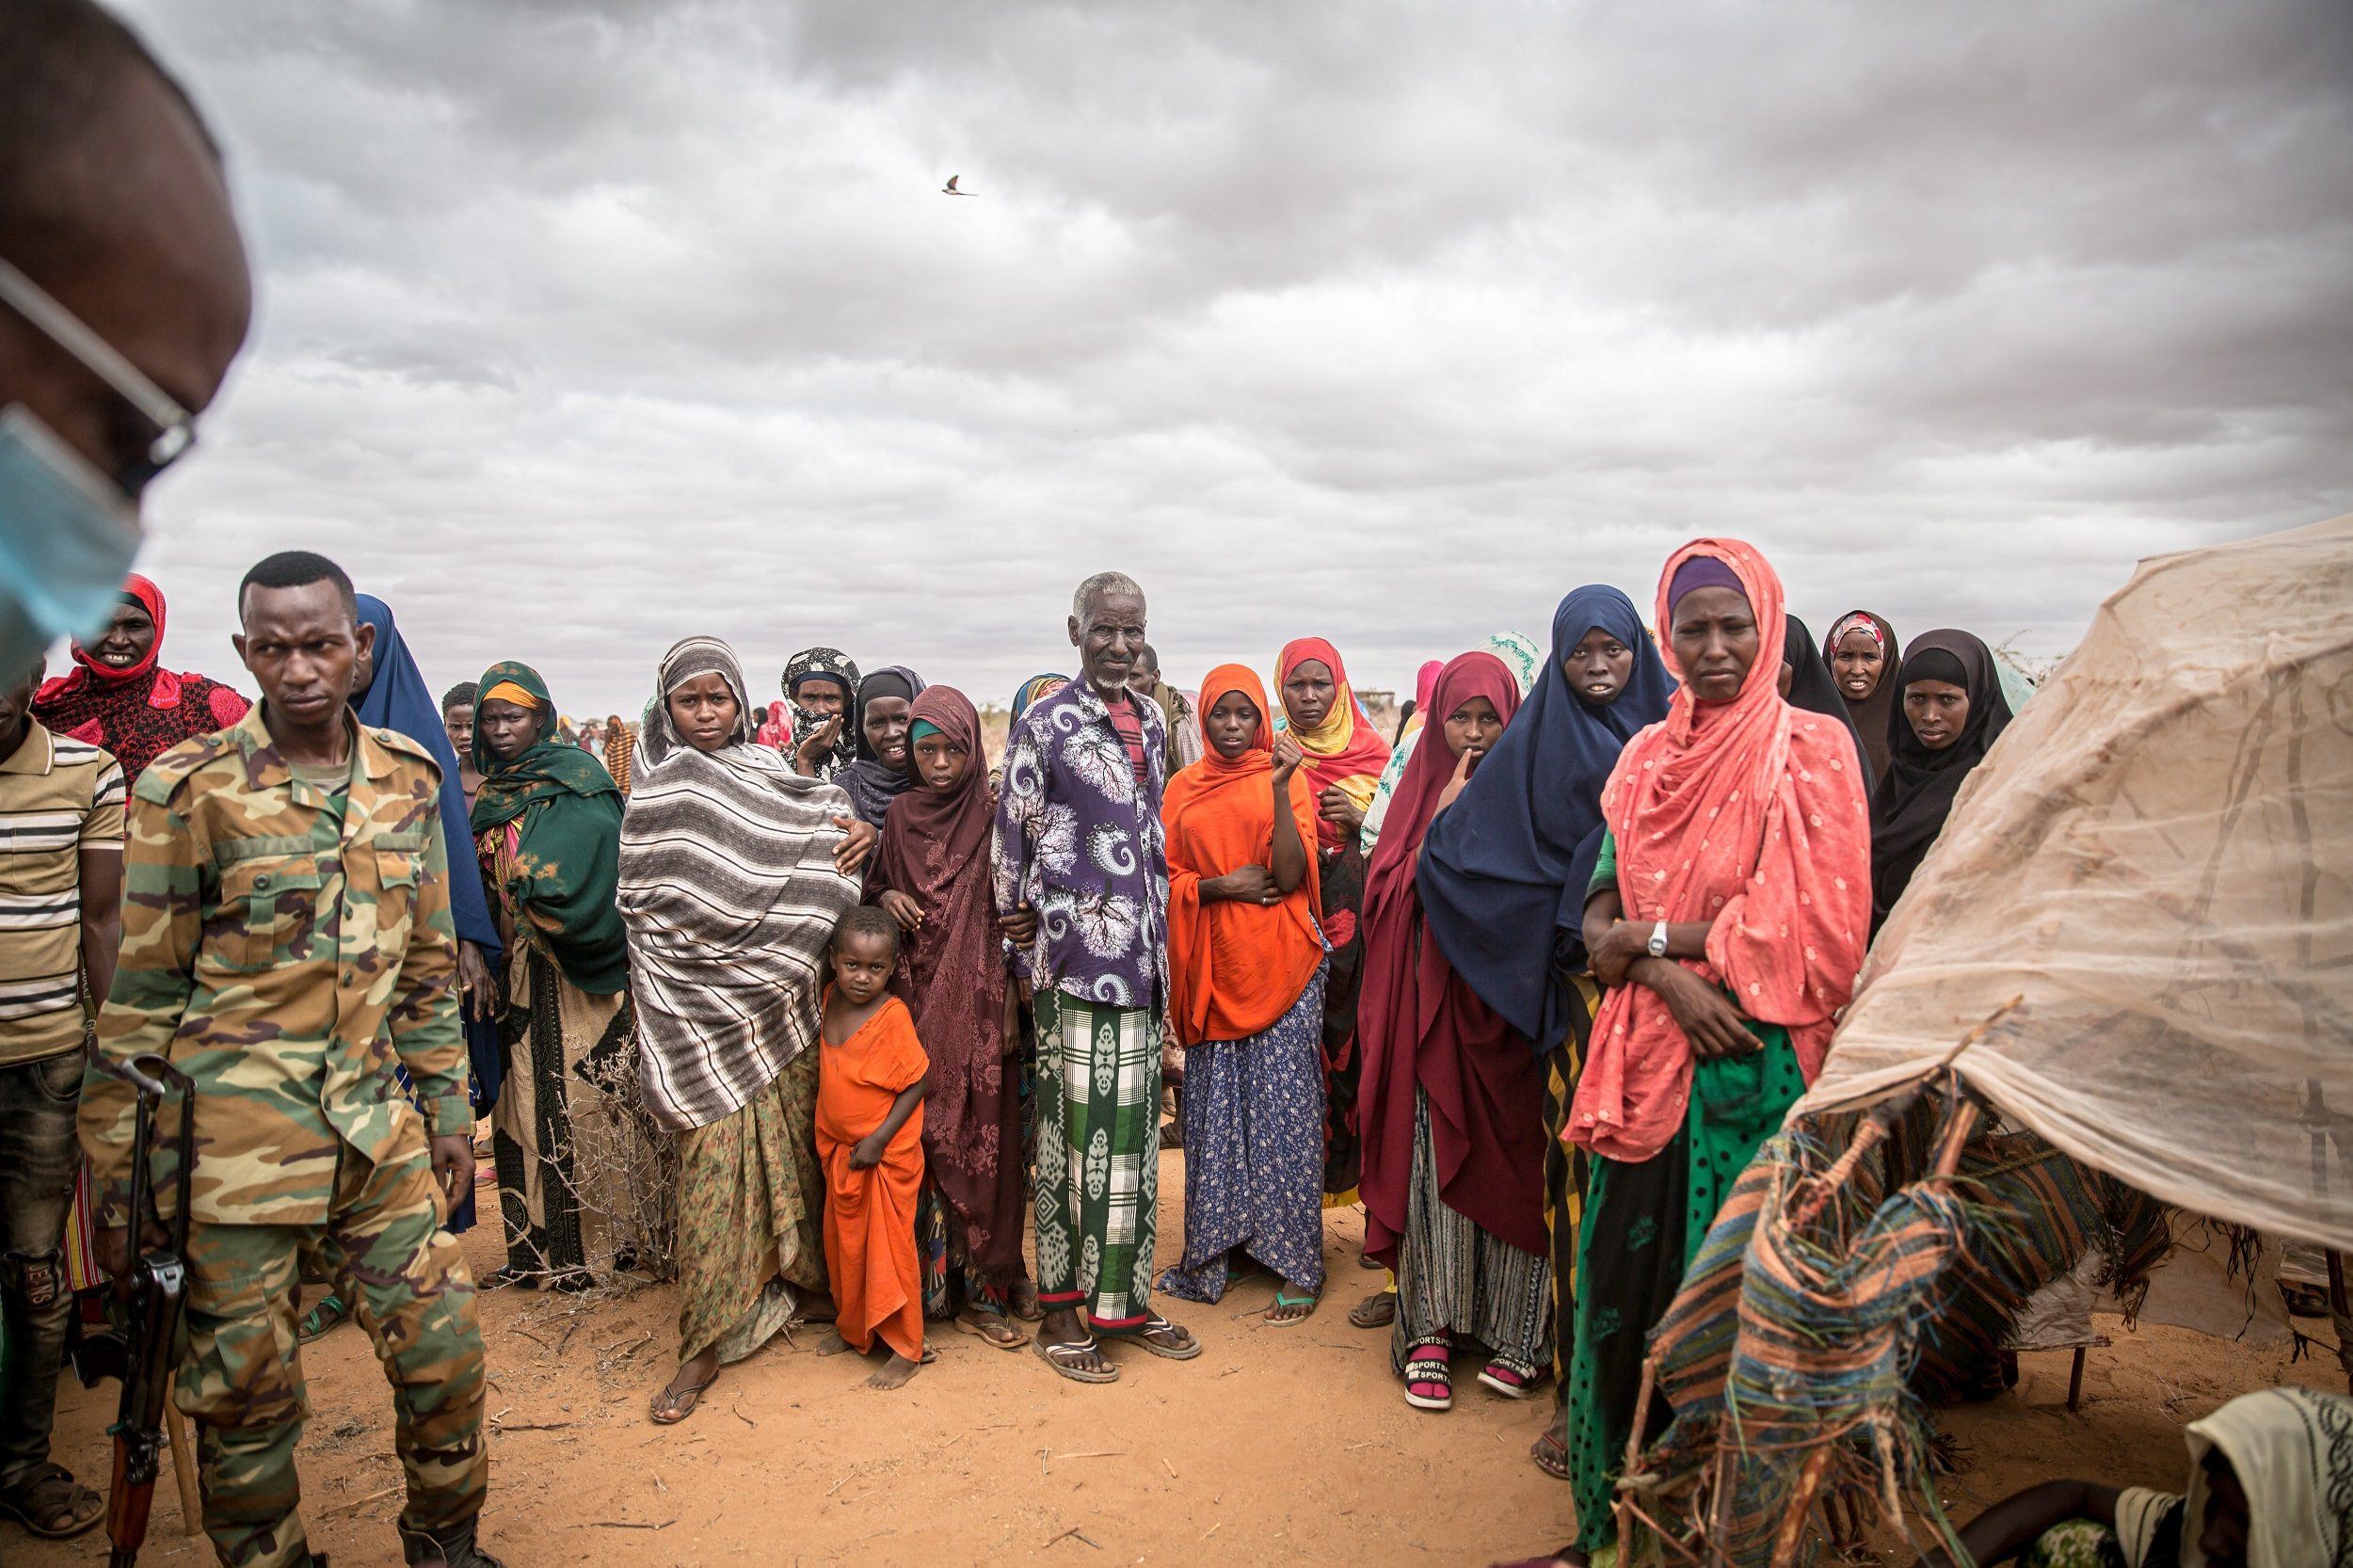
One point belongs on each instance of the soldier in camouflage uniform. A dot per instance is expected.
(287, 942)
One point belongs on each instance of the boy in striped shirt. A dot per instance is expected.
(61, 921)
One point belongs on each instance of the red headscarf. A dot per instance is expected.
(935, 849)
(1235, 968)
(140, 712)
(776, 729)
(1423, 1028)
(1426, 684)
(1749, 813)
(150, 599)
(1345, 751)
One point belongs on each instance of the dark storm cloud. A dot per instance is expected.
(586, 325)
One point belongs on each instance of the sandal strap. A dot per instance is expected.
(49, 1476)
(1071, 1350)
(1429, 1371)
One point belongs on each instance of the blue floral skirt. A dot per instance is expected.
(1254, 1153)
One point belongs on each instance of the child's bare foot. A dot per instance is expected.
(834, 1344)
(894, 1372)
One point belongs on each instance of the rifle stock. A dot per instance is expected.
(158, 1298)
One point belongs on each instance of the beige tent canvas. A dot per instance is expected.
(2157, 857)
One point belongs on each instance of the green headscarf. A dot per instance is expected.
(567, 867)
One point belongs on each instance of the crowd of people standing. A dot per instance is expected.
(857, 1013)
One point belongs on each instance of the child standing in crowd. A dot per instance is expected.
(933, 877)
(870, 1138)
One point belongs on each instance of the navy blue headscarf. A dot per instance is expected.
(1504, 871)
(399, 699)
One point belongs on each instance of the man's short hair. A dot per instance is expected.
(297, 568)
(466, 694)
(1103, 584)
(866, 920)
(60, 60)
(1151, 657)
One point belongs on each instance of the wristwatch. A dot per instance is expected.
(1658, 941)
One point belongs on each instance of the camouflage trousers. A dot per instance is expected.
(242, 1380)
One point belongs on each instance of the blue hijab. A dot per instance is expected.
(399, 700)
(1503, 873)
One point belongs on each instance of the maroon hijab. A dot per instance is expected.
(1422, 1028)
(935, 849)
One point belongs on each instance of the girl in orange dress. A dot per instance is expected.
(870, 1139)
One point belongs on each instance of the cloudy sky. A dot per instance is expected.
(586, 325)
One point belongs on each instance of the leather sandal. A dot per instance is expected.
(51, 1504)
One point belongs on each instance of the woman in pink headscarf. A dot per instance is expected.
(776, 730)
(1726, 919)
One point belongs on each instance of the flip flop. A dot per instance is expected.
(1377, 1310)
(1284, 1298)
(1551, 1455)
(1158, 1324)
(684, 1400)
(1064, 1359)
(965, 1323)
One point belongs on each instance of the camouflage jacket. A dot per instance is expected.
(287, 962)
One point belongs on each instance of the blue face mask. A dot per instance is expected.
(67, 536)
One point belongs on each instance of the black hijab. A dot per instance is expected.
(1811, 688)
(873, 787)
(1915, 794)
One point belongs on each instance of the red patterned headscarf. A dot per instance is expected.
(140, 712)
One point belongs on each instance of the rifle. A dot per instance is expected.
(157, 1297)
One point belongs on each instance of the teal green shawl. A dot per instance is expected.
(567, 867)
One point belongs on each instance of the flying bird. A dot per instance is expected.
(950, 188)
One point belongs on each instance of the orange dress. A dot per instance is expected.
(869, 1214)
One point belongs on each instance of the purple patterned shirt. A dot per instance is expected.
(1079, 841)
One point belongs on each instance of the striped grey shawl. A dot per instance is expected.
(730, 896)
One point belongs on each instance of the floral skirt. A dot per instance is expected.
(751, 1216)
(1253, 1154)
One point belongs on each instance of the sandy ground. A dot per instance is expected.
(1276, 1445)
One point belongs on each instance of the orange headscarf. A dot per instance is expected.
(1235, 968)
(1346, 750)
(1749, 813)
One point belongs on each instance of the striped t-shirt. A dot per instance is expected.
(1128, 721)
(58, 797)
